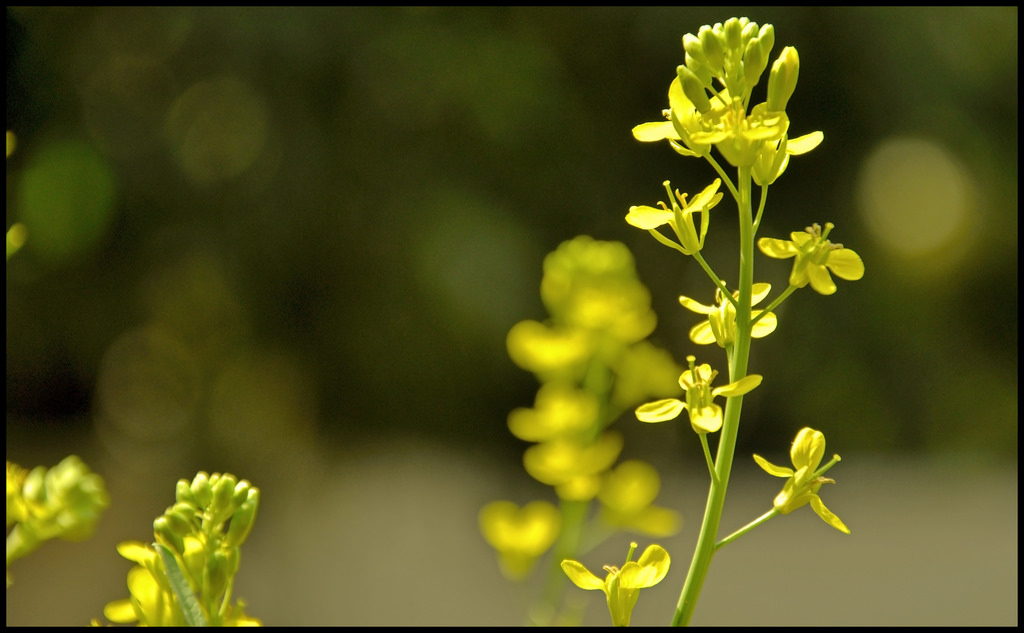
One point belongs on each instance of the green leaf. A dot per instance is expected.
(189, 605)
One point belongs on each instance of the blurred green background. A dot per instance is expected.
(288, 243)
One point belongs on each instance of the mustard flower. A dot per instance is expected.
(803, 483)
(737, 135)
(627, 500)
(573, 468)
(814, 254)
(679, 217)
(682, 122)
(705, 415)
(774, 156)
(520, 535)
(622, 586)
(65, 502)
(152, 601)
(592, 285)
(560, 410)
(201, 535)
(720, 326)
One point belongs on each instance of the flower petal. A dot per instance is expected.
(653, 132)
(779, 249)
(706, 419)
(738, 388)
(581, 576)
(702, 334)
(821, 281)
(660, 410)
(647, 218)
(846, 264)
(808, 449)
(805, 143)
(772, 469)
(694, 306)
(646, 572)
(826, 515)
(758, 292)
(765, 325)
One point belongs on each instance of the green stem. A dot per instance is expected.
(718, 282)
(707, 456)
(574, 514)
(746, 528)
(730, 426)
(774, 304)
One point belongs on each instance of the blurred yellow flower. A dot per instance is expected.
(519, 535)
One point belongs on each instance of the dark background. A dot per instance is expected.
(282, 242)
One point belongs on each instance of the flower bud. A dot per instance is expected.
(712, 48)
(220, 569)
(693, 89)
(693, 47)
(754, 63)
(166, 535)
(223, 492)
(180, 517)
(782, 81)
(242, 520)
(183, 493)
(202, 490)
(749, 31)
(734, 33)
(766, 38)
(241, 493)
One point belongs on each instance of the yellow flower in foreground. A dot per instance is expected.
(152, 600)
(622, 586)
(721, 324)
(520, 535)
(804, 482)
(705, 415)
(814, 253)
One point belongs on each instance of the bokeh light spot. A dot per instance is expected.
(66, 199)
(918, 200)
(263, 404)
(218, 128)
(148, 385)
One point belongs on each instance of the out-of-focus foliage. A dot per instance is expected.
(261, 227)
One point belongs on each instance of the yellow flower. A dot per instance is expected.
(627, 497)
(571, 467)
(774, 157)
(804, 482)
(520, 535)
(622, 586)
(679, 217)
(739, 136)
(814, 254)
(152, 601)
(720, 326)
(560, 410)
(705, 415)
(186, 577)
(683, 121)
